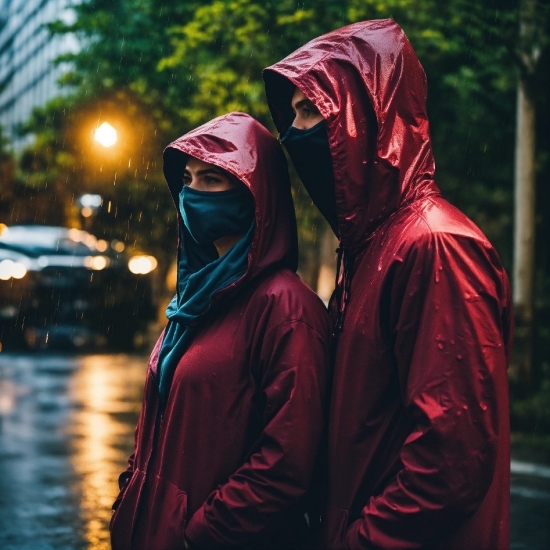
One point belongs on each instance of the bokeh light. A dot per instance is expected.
(141, 265)
(96, 263)
(10, 269)
(106, 135)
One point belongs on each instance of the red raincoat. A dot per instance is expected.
(418, 426)
(228, 463)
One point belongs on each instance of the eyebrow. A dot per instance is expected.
(206, 171)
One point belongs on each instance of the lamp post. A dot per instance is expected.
(106, 135)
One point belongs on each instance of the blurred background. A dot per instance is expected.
(90, 94)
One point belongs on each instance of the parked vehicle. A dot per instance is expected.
(61, 286)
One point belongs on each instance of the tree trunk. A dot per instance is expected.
(524, 234)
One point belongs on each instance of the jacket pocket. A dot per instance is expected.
(122, 492)
(333, 528)
(125, 505)
(163, 516)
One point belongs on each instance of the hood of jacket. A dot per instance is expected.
(240, 145)
(370, 88)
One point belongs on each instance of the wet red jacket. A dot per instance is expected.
(230, 459)
(418, 426)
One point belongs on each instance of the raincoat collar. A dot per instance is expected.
(370, 88)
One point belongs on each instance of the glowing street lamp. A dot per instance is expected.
(105, 134)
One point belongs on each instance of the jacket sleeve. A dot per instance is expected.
(294, 367)
(450, 326)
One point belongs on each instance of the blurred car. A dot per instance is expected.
(61, 286)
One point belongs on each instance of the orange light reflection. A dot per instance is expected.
(108, 390)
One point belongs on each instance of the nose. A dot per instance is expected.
(299, 123)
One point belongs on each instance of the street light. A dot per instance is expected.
(105, 134)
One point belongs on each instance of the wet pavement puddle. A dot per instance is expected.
(66, 429)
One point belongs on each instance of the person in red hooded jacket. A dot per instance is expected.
(418, 437)
(234, 402)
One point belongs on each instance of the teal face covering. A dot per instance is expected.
(209, 215)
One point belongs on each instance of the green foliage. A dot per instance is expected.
(180, 64)
(227, 43)
(7, 166)
(4, 146)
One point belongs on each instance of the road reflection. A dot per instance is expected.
(66, 429)
(108, 392)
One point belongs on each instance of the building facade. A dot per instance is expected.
(28, 76)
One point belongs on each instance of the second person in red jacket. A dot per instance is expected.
(419, 448)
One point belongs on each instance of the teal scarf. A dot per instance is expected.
(200, 274)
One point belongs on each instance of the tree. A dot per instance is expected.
(6, 161)
(532, 41)
(7, 180)
(181, 64)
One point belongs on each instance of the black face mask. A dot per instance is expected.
(310, 154)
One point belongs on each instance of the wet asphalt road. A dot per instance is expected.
(66, 428)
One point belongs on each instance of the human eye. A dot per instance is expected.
(310, 110)
(186, 179)
(211, 180)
